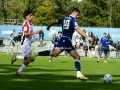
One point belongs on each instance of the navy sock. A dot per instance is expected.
(77, 65)
(44, 53)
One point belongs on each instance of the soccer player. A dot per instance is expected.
(27, 32)
(69, 25)
(104, 44)
(55, 42)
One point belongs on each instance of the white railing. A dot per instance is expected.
(12, 21)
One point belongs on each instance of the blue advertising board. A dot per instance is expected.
(6, 30)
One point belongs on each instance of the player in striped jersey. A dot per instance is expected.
(27, 32)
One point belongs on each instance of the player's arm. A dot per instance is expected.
(83, 34)
(32, 33)
(51, 24)
(54, 22)
(108, 42)
(27, 32)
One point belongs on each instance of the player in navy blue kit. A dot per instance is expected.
(69, 25)
(55, 42)
(104, 43)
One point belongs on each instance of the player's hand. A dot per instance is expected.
(90, 39)
(48, 28)
(106, 42)
(56, 42)
(38, 31)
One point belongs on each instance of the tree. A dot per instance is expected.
(94, 13)
(32, 4)
(13, 8)
(44, 13)
(61, 7)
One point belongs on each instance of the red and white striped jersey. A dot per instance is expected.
(26, 28)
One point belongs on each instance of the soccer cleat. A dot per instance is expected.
(19, 73)
(50, 60)
(13, 59)
(105, 62)
(98, 61)
(82, 77)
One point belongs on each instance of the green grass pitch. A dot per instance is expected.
(59, 74)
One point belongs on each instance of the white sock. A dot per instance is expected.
(98, 59)
(36, 53)
(21, 68)
(50, 58)
(104, 59)
(79, 72)
(20, 57)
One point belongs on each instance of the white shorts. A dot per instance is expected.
(26, 49)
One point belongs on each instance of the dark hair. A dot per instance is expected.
(60, 32)
(104, 33)
(75, 9)
(26, 12)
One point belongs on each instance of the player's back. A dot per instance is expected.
(68, 26)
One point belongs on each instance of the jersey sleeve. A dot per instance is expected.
(108, 41)
(25, 28)
(100, 42)
(75, 25)
(56, 39)
(59, 20)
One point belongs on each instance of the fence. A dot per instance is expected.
(12, 21)
(6, 30)
(35, 48)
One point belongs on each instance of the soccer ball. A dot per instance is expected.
(108, 78)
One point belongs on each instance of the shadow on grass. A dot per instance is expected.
(53, 82)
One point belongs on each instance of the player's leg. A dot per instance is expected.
(105, 55)
(54, 53)
(26, 50)
(100, 55)
(16, 57)
(76, 56)
(51, 56)
(50, 59)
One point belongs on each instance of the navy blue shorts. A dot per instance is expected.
(65, 44)
(105, 50)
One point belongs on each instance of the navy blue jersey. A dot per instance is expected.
(68, 26)
(56, 39)
(103, 42)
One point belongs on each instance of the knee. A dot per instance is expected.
(55, 55)
(77, 57)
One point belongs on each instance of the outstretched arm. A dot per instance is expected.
(51, 24)
(83, 34)
(32, 33)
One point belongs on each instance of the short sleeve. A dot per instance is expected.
(59, 20)
(25, 28)
(75, 24)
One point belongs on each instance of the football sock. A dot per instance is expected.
(50, 58)
(98, 59)
(20, 57)
(21, 68)
(44, 53)
(77, 65)
(104, 59)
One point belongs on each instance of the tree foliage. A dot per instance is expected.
(44, 13)
(94, 13)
